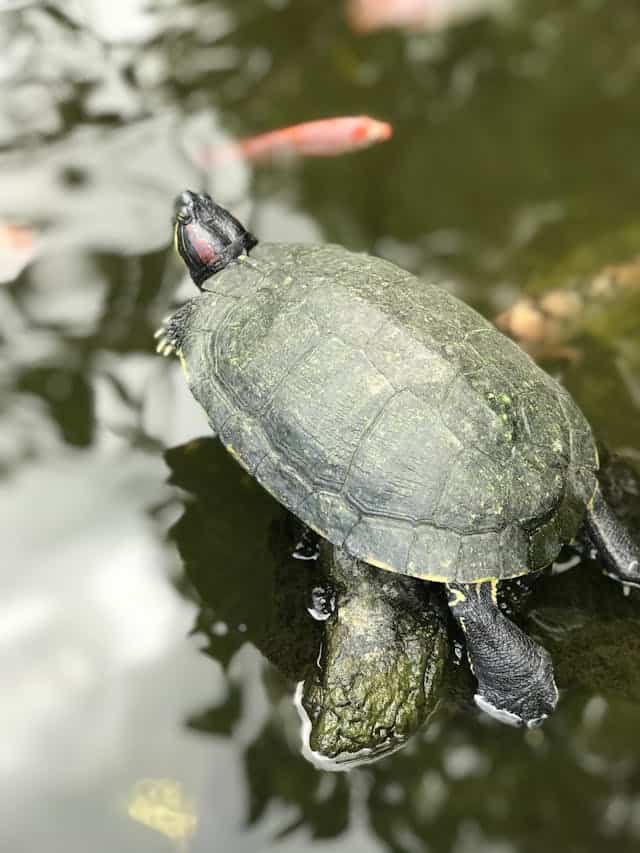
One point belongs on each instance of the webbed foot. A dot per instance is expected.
(514, 674)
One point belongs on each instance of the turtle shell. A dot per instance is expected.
(386, 414)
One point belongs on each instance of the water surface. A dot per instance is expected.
(141, 667)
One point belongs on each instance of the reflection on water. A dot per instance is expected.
(512, 169)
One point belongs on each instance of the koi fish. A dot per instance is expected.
(16, 250)
(325, 137)
(368, 15)
(15, 237)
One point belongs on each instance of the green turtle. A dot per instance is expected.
(398, 424)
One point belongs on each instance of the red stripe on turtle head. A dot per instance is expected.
(200, 242)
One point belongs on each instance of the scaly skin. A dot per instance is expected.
(381, 664)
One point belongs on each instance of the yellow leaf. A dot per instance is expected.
(161, 805)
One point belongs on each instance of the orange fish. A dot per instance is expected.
(325, 137)
(15, 237)
(368, 15)
(17, 249)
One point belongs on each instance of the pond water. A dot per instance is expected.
(148, 662)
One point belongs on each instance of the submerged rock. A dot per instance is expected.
(380, 668)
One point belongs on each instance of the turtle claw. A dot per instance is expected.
(166, 343)
(626, 590)
(163, 347)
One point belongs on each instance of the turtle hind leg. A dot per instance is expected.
(611, 539)
(514, 673)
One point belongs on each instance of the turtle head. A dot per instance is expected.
(207, 237)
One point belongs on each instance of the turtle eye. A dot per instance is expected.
(183, 214)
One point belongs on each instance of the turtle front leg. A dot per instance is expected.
(514, 674)
(620, 553)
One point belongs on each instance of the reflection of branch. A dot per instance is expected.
(221, 719)
(630, 377)
(80, 26)
(17, 5)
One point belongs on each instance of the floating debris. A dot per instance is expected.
(161, 805)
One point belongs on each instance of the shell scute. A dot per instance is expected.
(283, 481)
(245, 438)
(474, 504)
(480, 556)
(318, 419)
(382, 541)
(406, 363)
(337, 519)
(475, 422)
(396, 469)
(243, 348)
(537, 483)
(547, 539)
(433, 553)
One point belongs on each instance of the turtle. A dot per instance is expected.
(396, 423)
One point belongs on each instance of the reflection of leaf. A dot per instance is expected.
(221, 645)
(232, 571)
(221, 719)
(249, 587)
(274, 772)
(62, 18)
(69, 397)
(161, 805)
(125, 395)
(126, 323)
